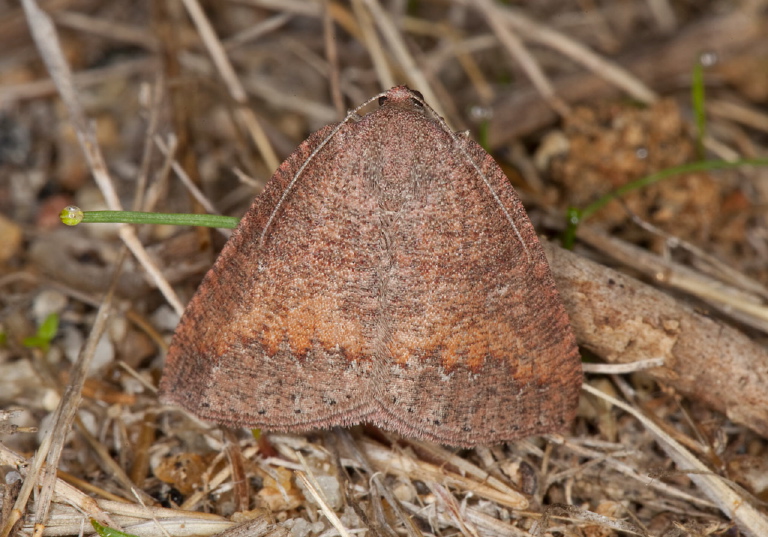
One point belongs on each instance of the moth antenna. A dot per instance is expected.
(351, 114)
(466, 154)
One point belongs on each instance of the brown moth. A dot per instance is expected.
(387, 274)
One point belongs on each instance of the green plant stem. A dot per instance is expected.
(575, 216)
(134, 217)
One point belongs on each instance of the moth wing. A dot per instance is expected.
(277, 334)
(479, 349)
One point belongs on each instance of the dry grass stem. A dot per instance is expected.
(106, 29)
(736, 302)
(752, 521)
(599, 65)
(517, 50)
(317, 495)
(45, 37)
(623, 369)
(373, 44)
(232, 82)
(168, 150)
(664, 14)
(748, 116)
(402, 55)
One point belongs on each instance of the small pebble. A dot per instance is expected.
(117, 328)
(104, 354)
(164, 318)
(72, 341)
(329, 486)
(46, 302)
(404, 492)
(89, 421)
(301, 528)
(349, 518)
(50, 400)
(12, 477)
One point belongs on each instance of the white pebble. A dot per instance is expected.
(331, 490)
(165, 318)
(103, 355)
(46, 302)
(72, 342)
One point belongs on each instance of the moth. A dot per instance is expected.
(387, 274)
